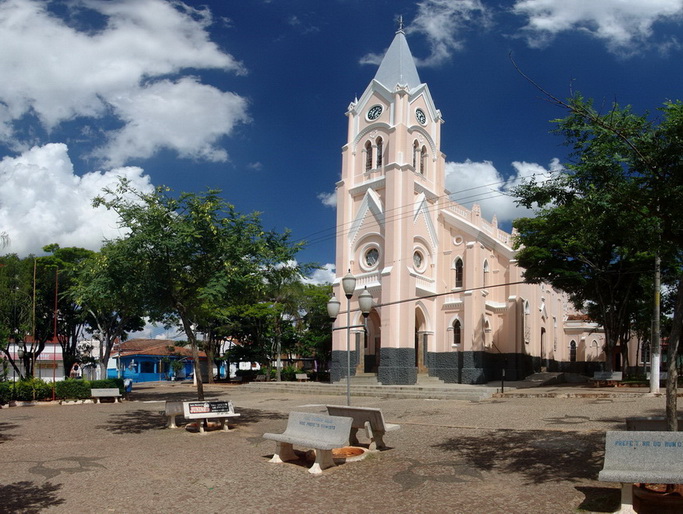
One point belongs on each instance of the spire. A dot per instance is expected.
(398, 67)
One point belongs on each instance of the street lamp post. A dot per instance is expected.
(365, 304)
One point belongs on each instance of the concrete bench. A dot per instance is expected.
(318, 431)
(650, 423)
(203, 411)
(301, 377)
(172, 410)
(368, 418)
(236, 380)
(260, 378)
(607, 378)
(107, 392)
(642, 457)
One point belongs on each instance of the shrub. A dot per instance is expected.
(33, 389)
(71, 389)
(107, 383)
(289, 373)
(5, 392)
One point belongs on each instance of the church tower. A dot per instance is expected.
(387, 216)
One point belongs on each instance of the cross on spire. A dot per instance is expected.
(400, 23)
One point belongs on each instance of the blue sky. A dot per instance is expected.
(249, 97)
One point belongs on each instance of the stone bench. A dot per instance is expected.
(607, 378)
(301, 377)
(650, 423)
(203, 411)
(172, 410)
(260, 378)
(236, 380)
(106, 392)
(367, 418)
(318, 431)
(642, 457)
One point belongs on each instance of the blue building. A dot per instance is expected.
(153, 360)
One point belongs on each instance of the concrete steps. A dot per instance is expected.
(363, 387)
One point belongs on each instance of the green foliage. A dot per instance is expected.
(289, 373)
(5, 392)
(599, 223)
(71, 389)
(107, 383)
(33, 389)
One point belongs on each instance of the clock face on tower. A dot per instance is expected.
(421, 117)
(374, 112)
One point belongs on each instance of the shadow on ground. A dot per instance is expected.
(5, 427)
(142, 420)
(134, 422)
(540, 456)
(600, 499)
(28, 498)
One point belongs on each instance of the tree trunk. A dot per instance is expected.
(672, 372)
(192, 338)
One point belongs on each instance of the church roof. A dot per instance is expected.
(398, 66)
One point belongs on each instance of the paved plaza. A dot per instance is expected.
(501, 455)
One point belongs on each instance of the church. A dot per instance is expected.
(448, 298)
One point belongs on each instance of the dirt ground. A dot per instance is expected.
(503, 455)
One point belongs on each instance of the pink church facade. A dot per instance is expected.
(449, 299)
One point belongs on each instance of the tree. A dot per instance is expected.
(109, 288)
(194, 254)
(631, 168)
(66, 264)
(585, 243)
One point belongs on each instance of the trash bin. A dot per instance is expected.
(127, 386)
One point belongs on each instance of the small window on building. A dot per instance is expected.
(423, 160)
(368, 156)
(457, 332)
(379, 152)
(416, 149)
(485, 272)
(572, 351)
(146, 367)
(458, 272)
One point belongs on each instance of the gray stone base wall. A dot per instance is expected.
(338, 365)
(397, 366)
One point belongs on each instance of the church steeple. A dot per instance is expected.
(398, 66)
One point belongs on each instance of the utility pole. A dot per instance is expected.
(655, 350)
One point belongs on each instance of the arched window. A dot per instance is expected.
(457, 332)
(458, 272)
(572, 351)
(423, 160)
(486, 272)
(368, 156)
(379, 152)
(416, 149)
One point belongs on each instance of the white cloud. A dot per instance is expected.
(328, 199)
(480, 182)
(623, 24)
(60, 74)
(185, 115)
(42, 201)
(325, 275)
(443, 21)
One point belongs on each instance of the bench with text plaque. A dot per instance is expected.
(645, 457)
(106, 392)
(204, 411)
(318, 431)
(367, 418)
